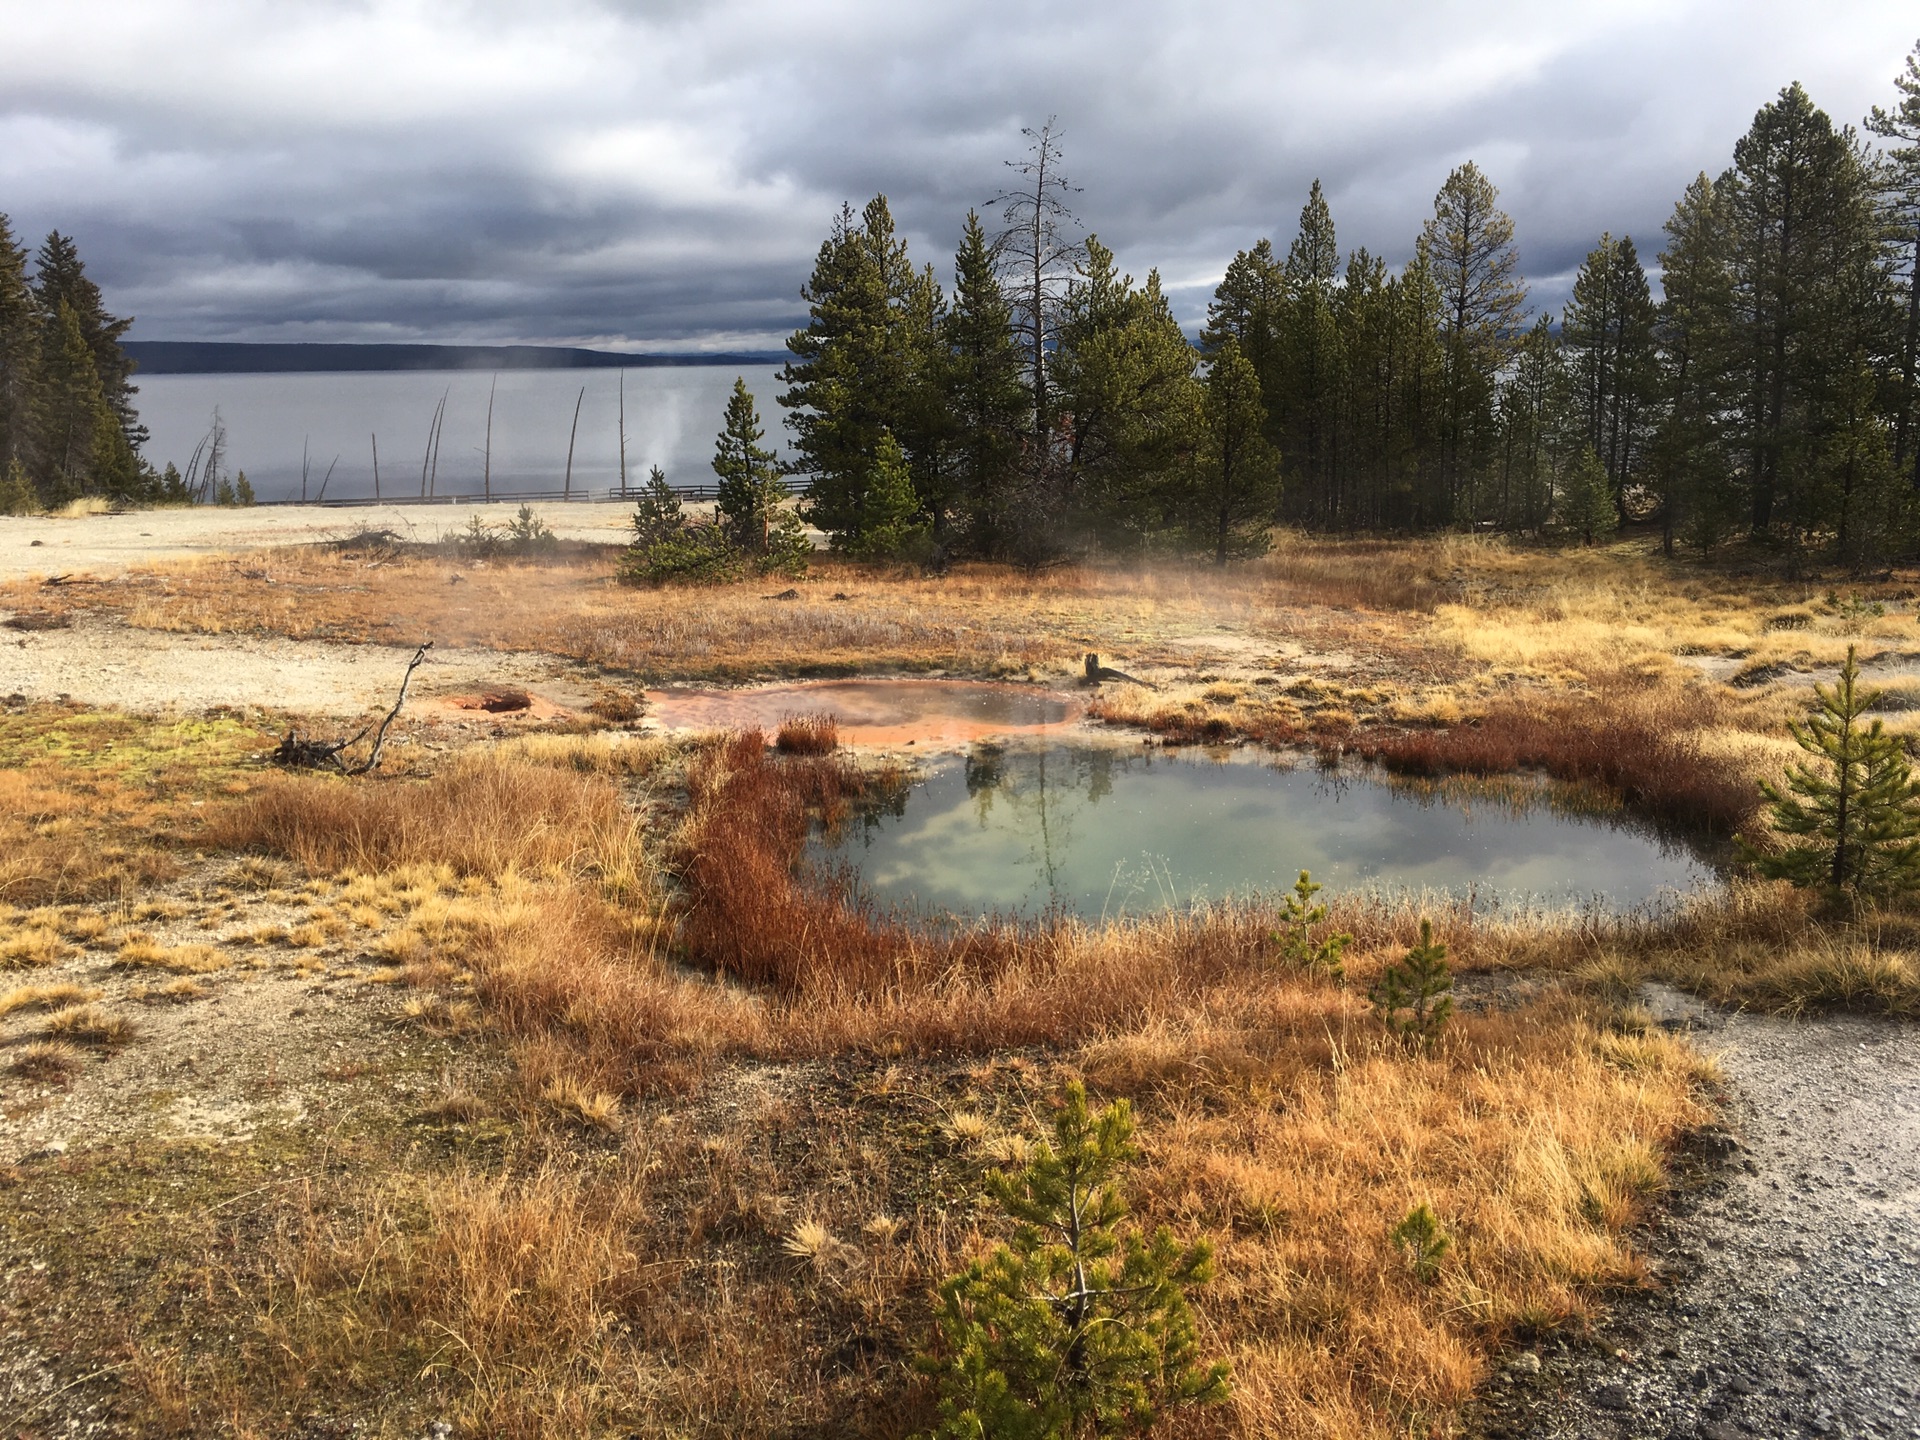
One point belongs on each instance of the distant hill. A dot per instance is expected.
(217, 357)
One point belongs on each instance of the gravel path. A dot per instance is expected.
(1791, 1274)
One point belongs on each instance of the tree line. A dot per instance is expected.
(1050, 405)
(68, 425)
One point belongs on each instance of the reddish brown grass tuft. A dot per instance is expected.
(1639, 741)
(808, 735)
(751, 914)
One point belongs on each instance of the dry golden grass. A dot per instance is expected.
(484, 816)
(1538, 1136)
(697, 1280)
(89, 1025)
(175, 959)
(90, 801)
(745, 1123)
(28, 946)
(45, 997)
(975, 619)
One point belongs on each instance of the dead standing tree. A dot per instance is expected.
(1037, 258)
(1038, 254)
(297, 754)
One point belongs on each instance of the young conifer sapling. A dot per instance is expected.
(1077, 1326)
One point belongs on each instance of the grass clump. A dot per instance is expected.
(1075, 1326)
(44, 997)
(175, 959)
(48, 1061)
(807, 735)
(33, 946)
(89, 1025)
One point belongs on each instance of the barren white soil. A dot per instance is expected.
(150, 672)
(107, 544)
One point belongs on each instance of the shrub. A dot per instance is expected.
(527, 534)
(1414, 997)
(1075, 1327)
(1854, 811)
(1298, 916)
(697, 554)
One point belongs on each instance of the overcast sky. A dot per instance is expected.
(659, 175)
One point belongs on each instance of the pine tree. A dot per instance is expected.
(1805, 240)
(1871, 507)
(1039, 258)
(1854, 815)
(1246, 309)
(1295, 936)
(1238, 483)
(1608, 330)
(1468, 247)
(866, 362)
(1124, 381)
(1422, 1239)
(17, 493)
(1414, 998)
(1535, 418)
(60, 277)
(1586, 509)
(1076, 1327)
(985, 397)
(75, 420)
(659, 514)
(1308, 360)
(890, 527)
(20, 346)
(1700, 494)
(750, 491)
(1901, 194)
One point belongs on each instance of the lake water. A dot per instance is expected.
(1104, 831)
(673, 414)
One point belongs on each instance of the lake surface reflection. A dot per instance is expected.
(1105, 831)
(673, 413)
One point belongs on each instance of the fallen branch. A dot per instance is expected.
(296, 753)
(1096, 673)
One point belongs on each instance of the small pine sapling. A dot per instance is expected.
(1855, 813)
(1075, 1327)
(660, 514)
(1415, 996)
(1423, 1241)
(1295, 936)
(528, 534)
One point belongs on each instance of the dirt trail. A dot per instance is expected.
(1791, 1275)
(100, 663)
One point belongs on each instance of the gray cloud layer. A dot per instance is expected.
(659, 174)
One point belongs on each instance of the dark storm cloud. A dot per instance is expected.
(661, 174)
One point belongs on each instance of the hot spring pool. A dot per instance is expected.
(1103, 831)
